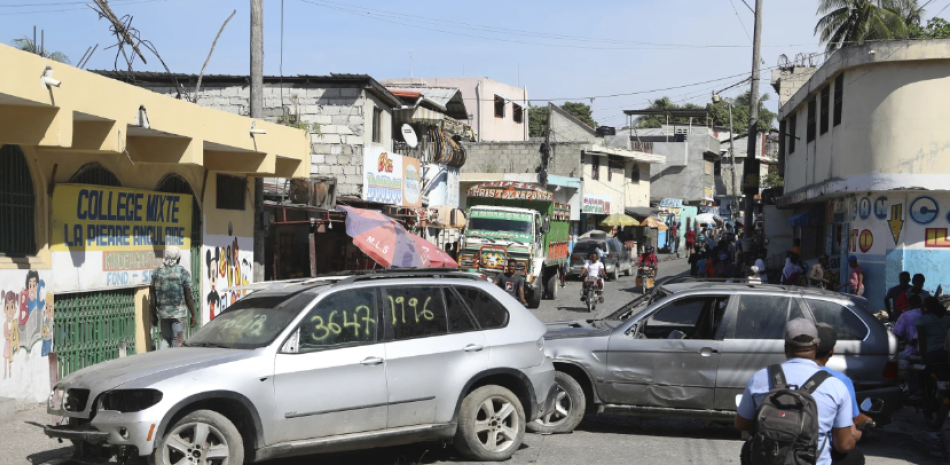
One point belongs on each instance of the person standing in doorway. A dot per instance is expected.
(512, 282)
(856, 277)
(171, 300)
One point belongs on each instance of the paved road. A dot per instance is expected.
(600, 439)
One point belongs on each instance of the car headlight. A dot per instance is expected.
(129, 400)
(56, 398)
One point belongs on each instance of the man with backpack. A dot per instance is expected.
(795, 412)
(826, 349)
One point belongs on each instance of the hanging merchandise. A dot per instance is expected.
(442, 148)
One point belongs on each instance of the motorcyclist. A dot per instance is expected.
(594, 267)
(648, 259)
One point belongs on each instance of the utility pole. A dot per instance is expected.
(734, 208)
(750, 183)
(257, 112)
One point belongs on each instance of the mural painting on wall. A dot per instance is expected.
(225, 266)
(28, 313)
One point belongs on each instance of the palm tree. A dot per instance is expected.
(27, 45)
(852, 22)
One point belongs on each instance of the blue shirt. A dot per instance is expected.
(832, 397)
(855, 410)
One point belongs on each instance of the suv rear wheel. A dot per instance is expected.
(203, 437)
(491, 424)
(569, 408)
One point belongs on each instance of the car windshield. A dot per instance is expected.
(492, 224)
(251, 322)
(589, 246)
(637, 305)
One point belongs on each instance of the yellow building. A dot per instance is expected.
(97, 177)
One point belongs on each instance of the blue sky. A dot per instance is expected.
(565, 49)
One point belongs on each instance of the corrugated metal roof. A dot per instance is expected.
(362, 80)
(448, 97)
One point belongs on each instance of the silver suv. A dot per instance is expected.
(323, 365)
(688, 350)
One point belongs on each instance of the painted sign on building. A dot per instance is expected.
(390, 178)
(442, 185)
(596, 204)
(510, 190)
(109, 237)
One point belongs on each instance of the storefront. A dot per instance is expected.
(594, 208)
(102, 182)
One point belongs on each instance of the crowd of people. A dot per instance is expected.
(718, 253)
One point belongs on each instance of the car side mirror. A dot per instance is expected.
(872, 405)
(292, 346)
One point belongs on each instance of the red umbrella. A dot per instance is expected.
(386, 241)
(437, 257)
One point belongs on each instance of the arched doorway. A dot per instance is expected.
(175, 184)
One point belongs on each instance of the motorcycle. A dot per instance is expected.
(645, 276)
(934, 400)
(591, 296)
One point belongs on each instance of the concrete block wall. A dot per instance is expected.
(521, 157)
(339, 111)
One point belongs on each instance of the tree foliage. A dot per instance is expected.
(538, 117)
(936, 28)
(773, 179)
(846, 23)
(27, 45)
(718, 112)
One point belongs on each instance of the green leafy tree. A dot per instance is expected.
(537, 121)
(27, 45)
(538, 117)
(846, 23)
(740, 113)
(773, 179)
(936, 28)
(664, 103)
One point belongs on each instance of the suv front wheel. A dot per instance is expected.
(491, 424)
(569, 407)
(202, 437)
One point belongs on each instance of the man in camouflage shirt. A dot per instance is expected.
(171, 299)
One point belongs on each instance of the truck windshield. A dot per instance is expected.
(492, 224)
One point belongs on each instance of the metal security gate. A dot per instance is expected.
(176, 184)
(93, 327)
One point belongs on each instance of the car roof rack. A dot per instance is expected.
(402, 273)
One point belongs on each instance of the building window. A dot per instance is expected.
(17, 204)
(377, 125)
(792, 131)
(517, 113)
(94, 173)
(595, 168)
(810, 128)
(823, 122)
(839, 97)
(782, 134)
(717, 168)
(635, 173)
(231, 191)
(499, 107)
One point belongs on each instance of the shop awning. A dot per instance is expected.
(804, 219)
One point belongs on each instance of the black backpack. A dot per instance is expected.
(785, 427)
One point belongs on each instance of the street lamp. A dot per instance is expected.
(716, 98)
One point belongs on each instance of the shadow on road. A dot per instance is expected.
(574, 309)
(674, 427)
(413, 454)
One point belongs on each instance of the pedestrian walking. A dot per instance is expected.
(828, 399)
(816, 276)
(826, 349)
(512, 282)
(674, 238)
(171, 300)
(690, 242)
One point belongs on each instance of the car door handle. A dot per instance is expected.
(473, 348)
(707, 351)
(372, 361)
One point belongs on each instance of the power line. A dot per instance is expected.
(123, 3)
(432, 24)
(740, 20)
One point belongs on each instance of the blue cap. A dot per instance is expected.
(852, 258)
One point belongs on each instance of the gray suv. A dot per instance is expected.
(617, 258)
(323, 365)
(688, 350)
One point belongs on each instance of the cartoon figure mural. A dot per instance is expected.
(11, 332)
(48, 325)
(228, 265)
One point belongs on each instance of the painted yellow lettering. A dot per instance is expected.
(402, 302)
(392, 303)
(355, 324)
(414, 303)
(335, 328)
(367, 319)
(319, 327)
(426, 313)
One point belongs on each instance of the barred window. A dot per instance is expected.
(231, 192)
(839, 97)
(17, 204)
(94, 173)
(823, 122)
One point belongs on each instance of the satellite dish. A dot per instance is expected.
(409, 135)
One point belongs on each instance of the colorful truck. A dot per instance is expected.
(512, 220)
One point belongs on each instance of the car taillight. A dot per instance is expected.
(890, 370)
(576, 256)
